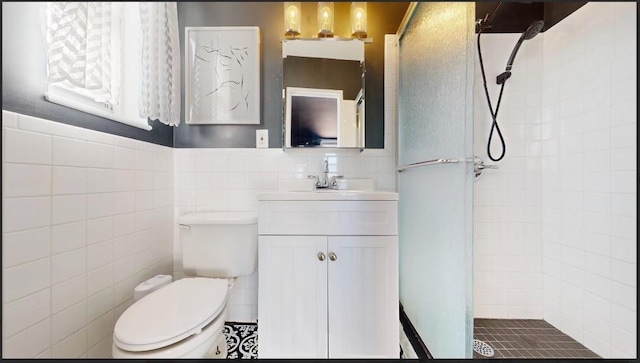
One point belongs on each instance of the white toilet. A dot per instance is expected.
(185, 318)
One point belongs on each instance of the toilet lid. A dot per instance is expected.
(170, 314)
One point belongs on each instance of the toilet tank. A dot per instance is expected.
(219, 244)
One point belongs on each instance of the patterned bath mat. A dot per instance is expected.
(242, 340)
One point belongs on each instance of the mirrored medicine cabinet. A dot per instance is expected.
(323, 93)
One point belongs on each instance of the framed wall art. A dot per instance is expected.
(222, 75)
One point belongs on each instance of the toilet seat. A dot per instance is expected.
(171, 314)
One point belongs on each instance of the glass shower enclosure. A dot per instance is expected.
(435, 180)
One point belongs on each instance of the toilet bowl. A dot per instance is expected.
(185, 319)
(182, 320)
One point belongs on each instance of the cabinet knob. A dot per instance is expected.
(320, 256)
(333, 256)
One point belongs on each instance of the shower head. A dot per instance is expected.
(531, 32)
(533, 29)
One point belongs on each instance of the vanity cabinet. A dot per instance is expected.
(328, 290)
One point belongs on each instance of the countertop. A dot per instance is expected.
(328, 195)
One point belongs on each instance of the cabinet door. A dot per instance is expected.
(292, 297)
(363, 297)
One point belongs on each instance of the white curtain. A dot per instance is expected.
(82, 40)
(160, 79)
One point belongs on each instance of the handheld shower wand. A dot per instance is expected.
(531, 32)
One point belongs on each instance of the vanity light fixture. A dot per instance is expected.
(292, 19)
(358, 20)
(325, 20)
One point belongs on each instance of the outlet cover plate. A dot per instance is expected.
(262, 139)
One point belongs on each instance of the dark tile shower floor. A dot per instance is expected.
(534, 339)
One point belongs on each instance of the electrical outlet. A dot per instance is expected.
(262, 139)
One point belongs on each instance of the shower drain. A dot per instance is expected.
(482, 348)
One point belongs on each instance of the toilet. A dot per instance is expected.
(185, 318)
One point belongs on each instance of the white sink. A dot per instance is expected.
(343, 185)
(355, 184)
(328, 195)
(347, 189)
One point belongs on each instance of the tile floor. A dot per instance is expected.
(534, 339)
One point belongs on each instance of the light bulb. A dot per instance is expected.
(359, 20)
(325, 16)
(291, 20)
(325, 20)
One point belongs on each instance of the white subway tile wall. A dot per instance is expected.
(86, 217)
(507, 205)
(589, 177)
(229, 179)
(565, 194)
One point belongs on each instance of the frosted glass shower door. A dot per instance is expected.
(435, 113)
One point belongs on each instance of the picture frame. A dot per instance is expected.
(222, 75)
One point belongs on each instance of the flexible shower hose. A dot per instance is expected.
(494, 115)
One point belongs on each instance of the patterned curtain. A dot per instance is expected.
(160, 82)
(82, 40)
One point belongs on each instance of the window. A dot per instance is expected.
(94, 62)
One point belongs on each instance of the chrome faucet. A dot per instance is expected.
(326, 182)
(326, 170)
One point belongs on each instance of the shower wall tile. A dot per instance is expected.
(591, 216)
(65, 206)
(508, 200)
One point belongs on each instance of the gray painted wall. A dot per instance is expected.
(24, 78)
(268, 17)
(383, 18)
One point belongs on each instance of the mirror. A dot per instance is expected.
(323, 91)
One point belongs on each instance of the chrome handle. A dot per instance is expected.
(479, 166)
(333, 256)
(320, 256)
(334, 180)
(187, 227)
(485, 166)
(427, 163)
